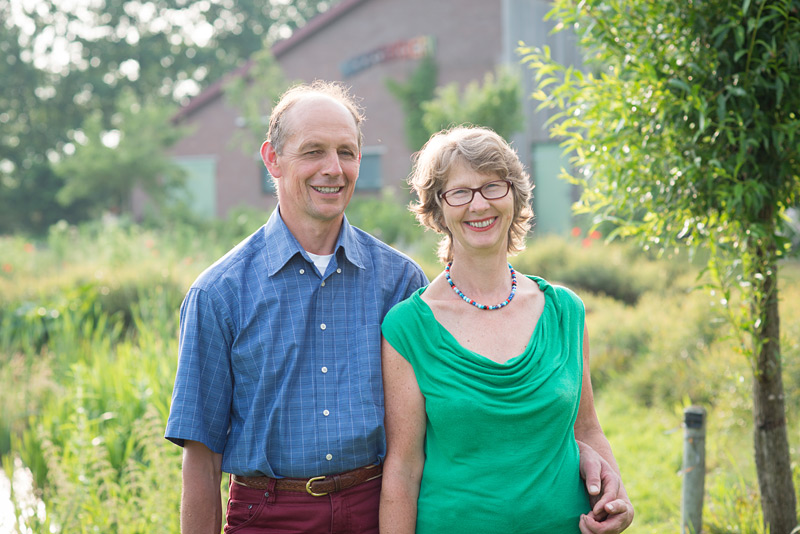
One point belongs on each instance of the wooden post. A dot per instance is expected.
(694, 469)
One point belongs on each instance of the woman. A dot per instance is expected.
(486, 372)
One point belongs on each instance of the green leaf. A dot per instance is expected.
(722, 100)
(738, 33)
(679, 84)
(735, 90)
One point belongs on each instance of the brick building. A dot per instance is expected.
(362, 43)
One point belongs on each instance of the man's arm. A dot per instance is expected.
(612, 511)
(201, 501)
(603, 482)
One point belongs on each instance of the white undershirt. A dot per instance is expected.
(320, 261)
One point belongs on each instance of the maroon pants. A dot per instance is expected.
(350, 511)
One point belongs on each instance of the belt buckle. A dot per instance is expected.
(310, 491)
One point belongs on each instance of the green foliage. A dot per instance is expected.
(586, 263)
(109, 164)
(736, 510)
(254, 94)
(31, 127)
(639, 435)
(64, 62)
(420, 88)
(87, 491)
(686, 133)
(389, 220)
(84, 405)
(495, 105)
(428, 109)
(680, 122)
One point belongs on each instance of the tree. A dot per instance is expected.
(64, 61)
(108, 164)
(254, 94)
(496, 105)
(420, 87)
(29, 126)
(689, 133)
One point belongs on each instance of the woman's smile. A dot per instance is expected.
(482, 224)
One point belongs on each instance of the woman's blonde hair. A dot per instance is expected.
(485, 152)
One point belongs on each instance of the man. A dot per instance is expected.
(279, 371)
(279, 379)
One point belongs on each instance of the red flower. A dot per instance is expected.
(595, 235)
(576, 232)
(7, 267)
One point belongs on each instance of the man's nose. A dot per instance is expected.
(332, 165)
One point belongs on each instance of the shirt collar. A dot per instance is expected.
(283, 246)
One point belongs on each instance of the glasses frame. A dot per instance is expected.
(443, 195)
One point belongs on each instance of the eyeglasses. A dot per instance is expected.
(464, 195)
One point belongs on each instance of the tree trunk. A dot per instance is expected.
(778, 501)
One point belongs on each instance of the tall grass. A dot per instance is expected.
(88, 345)
(88, 331)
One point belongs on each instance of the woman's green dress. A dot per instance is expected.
(500, 449)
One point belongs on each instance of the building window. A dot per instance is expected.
(552, 198)
(199, 191)
(369, 176)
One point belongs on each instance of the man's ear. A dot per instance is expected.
(270, 159)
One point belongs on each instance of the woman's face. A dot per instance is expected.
(480, 226)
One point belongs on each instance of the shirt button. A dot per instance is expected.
(326, 413)
(302, 271)
(339, 271)
(322, 326)
(323, 284)
(324, 369)
(329, 457)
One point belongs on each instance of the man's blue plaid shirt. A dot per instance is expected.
(279, 366)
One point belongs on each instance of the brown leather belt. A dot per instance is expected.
(316, 486)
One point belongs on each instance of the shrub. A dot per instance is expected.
(88, 352)
(615, 270)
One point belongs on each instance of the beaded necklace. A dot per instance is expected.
(483, 306)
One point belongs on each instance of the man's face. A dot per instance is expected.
(317, 169)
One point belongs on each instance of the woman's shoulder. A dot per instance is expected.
(405, 309)
(561, 295)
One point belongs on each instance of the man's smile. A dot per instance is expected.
(326, 190)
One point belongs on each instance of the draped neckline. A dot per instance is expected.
(472, 357)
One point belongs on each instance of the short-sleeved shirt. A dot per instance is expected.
(500, 449)
(279, 364)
